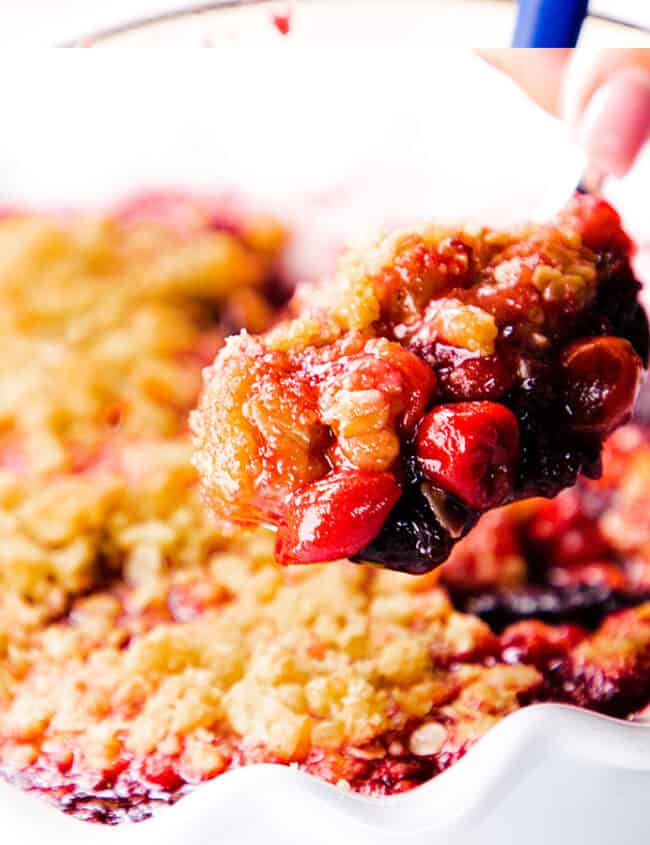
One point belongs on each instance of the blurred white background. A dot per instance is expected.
(339, 141)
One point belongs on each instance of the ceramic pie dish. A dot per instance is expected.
(539, 774)
(547, 763)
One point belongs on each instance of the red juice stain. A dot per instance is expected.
(282, 22)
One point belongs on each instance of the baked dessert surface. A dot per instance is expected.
(441, 373)
(146, 648)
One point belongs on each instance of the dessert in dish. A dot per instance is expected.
(146, 648)
(204, 655)
(441, 373)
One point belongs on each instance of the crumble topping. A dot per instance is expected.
(110, 322)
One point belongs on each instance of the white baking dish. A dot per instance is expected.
(341, 141)
(547, 774)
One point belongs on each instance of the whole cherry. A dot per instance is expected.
(470, 449)
(336, 516)
(602, 377)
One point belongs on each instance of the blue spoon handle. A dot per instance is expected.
(549, 23)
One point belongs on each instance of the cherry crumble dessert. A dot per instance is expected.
(145, 648)
(442, 373)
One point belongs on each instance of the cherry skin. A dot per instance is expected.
(162, 771)
(420, 382)
(483, 378)
(470, 449)
(531, 641)
(282, 23)
(598, 223)
(602, 376)
(336, 516)
(564, 534)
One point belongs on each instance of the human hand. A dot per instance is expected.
(602, 95)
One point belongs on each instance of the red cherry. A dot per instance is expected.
(282, 23)
(531, 641)
(420, 384)
(336, 516)
(602, 376)
(162, 770)
(564, 534)
(418, 272)
(391, 369)
(598, 223)
(482, 378)
(470, 449)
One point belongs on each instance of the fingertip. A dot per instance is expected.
(616, 121)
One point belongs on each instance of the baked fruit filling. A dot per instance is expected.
(440, 374)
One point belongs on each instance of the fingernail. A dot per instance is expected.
(616, 123)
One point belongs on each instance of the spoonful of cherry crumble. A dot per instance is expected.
(441, 373)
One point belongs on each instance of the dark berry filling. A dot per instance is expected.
(582, 604)
(421, 529)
